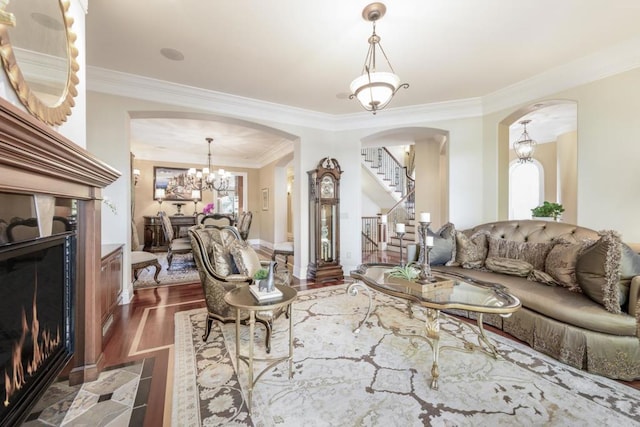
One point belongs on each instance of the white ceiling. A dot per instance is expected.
(304, 55)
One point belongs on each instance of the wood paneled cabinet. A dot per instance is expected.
(154, 240)
(110, 284)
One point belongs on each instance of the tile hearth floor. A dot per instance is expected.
(117, 398)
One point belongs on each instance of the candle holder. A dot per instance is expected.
(424, 259)
(400, 234)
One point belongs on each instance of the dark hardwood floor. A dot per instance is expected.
(145, 328)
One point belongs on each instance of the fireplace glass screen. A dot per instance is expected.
(36, 281)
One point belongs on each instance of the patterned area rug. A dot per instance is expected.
(183, 270)
(381, 376)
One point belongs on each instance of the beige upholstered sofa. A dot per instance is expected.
(570, 326)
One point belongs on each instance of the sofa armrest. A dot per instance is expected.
(634, 297)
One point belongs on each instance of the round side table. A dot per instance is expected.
(241, 299)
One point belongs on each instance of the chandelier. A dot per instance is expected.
(205, 179)
(525, 146)
(375, 89)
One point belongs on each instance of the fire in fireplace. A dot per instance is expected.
(36, 322)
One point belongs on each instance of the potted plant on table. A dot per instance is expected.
(261, 274)
(547, 211)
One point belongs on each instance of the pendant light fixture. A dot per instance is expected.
(525, 146)
(375, 89)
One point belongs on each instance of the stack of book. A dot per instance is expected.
(262, 296)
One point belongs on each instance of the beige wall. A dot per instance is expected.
(606, 151)
(567, 148)
(146, 205)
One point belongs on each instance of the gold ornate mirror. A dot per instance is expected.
(39, 56)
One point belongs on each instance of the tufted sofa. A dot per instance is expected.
(567, 325)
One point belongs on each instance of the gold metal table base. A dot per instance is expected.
(432, 330)
(249, 359)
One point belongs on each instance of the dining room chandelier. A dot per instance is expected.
(375, 89)
(206, 179)
(525, 146)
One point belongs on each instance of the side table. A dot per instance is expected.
(241, 299)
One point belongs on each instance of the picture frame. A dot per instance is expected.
(174, 183)
(265, 199)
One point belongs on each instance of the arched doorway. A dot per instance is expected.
(553, 125)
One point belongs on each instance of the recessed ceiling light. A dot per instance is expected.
(172, 54)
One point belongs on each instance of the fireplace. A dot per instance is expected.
(36, 319)
(35, 160)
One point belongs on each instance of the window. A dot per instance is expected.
(526, 188)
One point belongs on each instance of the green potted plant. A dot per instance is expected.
(548, 210)
(262, 273)
(407, 272)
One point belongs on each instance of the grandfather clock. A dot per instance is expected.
(324, 221)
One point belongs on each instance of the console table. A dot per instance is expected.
(154, 240)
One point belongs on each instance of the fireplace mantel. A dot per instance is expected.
(34, 159)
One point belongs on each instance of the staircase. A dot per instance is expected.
(394, 179)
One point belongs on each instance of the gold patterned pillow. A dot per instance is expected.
(245, 257)
(221, 259)
(542, 277)
(561, 263)
(471, 251)
(512, 267)
(533, 253)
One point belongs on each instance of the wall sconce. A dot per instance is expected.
(136, 176)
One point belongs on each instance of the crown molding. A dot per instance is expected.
(437, 111)
(140, 87)
(605, 63)
(614, 60)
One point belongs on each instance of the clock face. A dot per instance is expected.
(326, 188)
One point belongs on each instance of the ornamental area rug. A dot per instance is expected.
(183, 271)
(381, 376)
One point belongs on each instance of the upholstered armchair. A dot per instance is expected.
(224, 262)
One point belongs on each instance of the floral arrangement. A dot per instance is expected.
(208, 209)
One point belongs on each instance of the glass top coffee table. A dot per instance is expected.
(450, 292)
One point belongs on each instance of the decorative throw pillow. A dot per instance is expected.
(444, 244)
(541, 277)
(533, 253)
(561, 263)
(245, 257)
(604, 271)
(471, 251)
(512, 267)
(221, 260)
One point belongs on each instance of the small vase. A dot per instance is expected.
(270, 280)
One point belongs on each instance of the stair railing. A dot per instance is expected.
(389, 169)
(369, 234)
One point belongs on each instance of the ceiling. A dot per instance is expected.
(305, 55)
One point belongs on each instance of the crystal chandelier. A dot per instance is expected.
(525, 146)
(375, 89)
(205, 179)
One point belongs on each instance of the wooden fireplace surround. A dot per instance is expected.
(36, 159)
